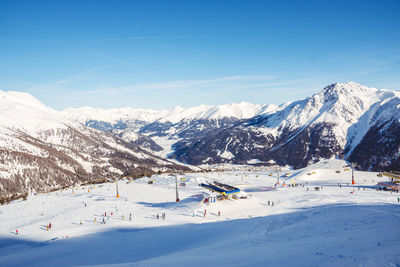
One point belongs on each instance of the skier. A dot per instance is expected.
(158, 217)
(80, 222)
(130, 216)
(16, 232)
(104, 221)
(50, 225)
(219, 213)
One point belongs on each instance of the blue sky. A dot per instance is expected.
(159, 54)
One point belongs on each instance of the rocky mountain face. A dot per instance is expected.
(345, 120)
(40, 150)
(379, 147)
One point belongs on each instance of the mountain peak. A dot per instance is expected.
(346, 88)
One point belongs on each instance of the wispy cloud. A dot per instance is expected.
(79, 75)
(219, 82)
(69, 79)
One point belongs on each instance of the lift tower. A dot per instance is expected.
(353, 165)
(176, 187)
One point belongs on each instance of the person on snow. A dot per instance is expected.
(219, 213)
(16, 232)
(130, 216)
(50, 225)
(104, 221)
(158, 217)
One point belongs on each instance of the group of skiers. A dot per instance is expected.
(392, 190)
(162, 216)
(104, 216)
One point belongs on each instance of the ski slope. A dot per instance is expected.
(338, 225)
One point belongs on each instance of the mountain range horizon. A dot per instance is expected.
(344, 120)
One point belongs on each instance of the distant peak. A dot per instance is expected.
(178, 109)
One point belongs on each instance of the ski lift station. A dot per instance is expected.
(220, 188)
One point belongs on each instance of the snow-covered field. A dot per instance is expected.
(337, 225)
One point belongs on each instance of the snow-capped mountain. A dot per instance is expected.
(327, 124)
(176, 124)
(41, 150)
(339, 121)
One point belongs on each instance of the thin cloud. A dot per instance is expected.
(180, 84)
(70, 78)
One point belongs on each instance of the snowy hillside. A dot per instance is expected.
(312, 218)
(41, 150)
(23, 111)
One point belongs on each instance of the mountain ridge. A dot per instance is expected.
(334, 120)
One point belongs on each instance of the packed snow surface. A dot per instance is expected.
(338, 225)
